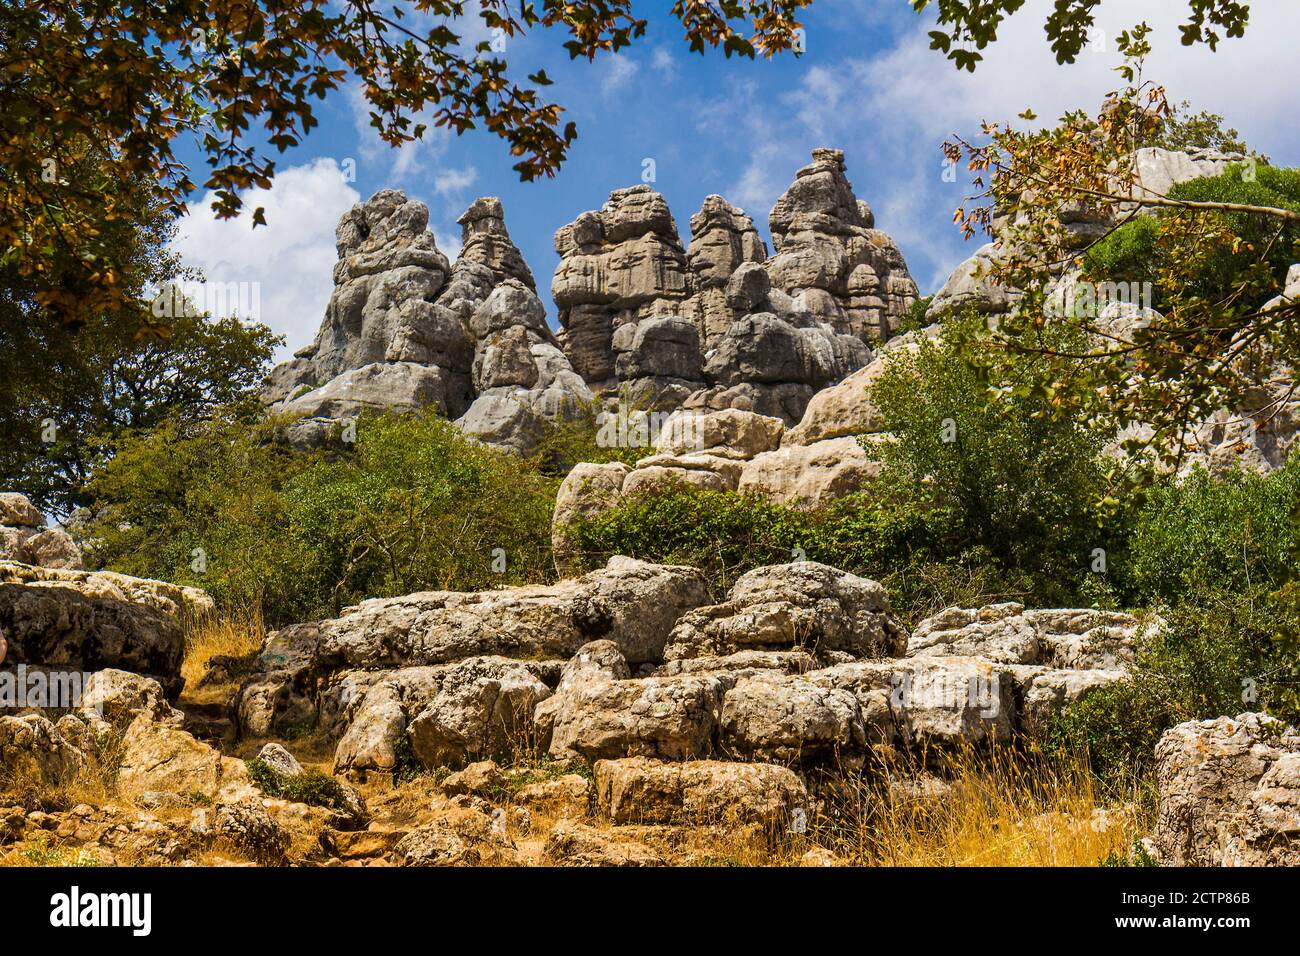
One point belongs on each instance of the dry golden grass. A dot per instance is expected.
(1003, 808)
(230, 633)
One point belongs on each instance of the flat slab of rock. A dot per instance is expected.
(83, 621)
(1010, 634)
(637, 790)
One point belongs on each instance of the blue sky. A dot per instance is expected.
(867, 84)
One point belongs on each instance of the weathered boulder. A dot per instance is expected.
(730, 433)
(566, 796)
(789, 718)
(572, 843)
(929, 703)
(245, 825)
(1228, 793)
(638, 790)
(483, 709)
(587, 490)
(379, 386)
(24, 537)
(841, 410)
(671, 717)
(86, 622)
(279, 761)
(159, 756)
(33, 749)
(802, 605)
(810, 476)
(973, 288)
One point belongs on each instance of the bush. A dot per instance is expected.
(310, 787)
(1019, 479)
(1200, 533)
(416, 505)
(1138, 252)
(913, 551)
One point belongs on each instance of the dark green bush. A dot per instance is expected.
(915, 551)
(1201, 533)
(1135, 252)
(310, 787)
(1017, 478)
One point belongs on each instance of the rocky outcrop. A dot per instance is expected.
(718, 324)
(460, 673)
(86, 621)
(1229, 793)
(728, 450)
(24, 537)
(723, 239)
(406, 330)
(620, 266)
(710, 326)
(522, 378)
(801, 663)
(827, 251)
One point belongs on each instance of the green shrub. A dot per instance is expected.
(1201, 533)
(1136, 253)
(415, 505)
(912, 550)
(310, 787)
(1017, 478)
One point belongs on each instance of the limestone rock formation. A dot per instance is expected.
(723, 239)
(827, 251)
(727, 450)
(453, 660)
(86, 621)
(802, 605)
(969, 287)
(718, 324)
(405, 330)
(619, 266)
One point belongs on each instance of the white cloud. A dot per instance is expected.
(291, 257)
(616, 72)
(662, 61)
(452, 182)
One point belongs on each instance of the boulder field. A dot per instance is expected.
(644, 707)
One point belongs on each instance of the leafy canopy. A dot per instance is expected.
(94, 93)
(968, 26)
